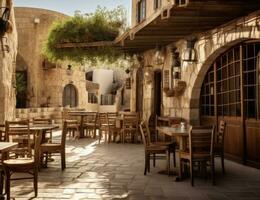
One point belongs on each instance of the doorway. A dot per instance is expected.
(157, 93)
(70, 97)
(139, 90)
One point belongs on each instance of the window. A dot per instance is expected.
(92, 98)
(141, 10)
(207, 94)
(240, 63)
(157, 4)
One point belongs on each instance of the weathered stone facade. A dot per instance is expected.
(45, 84)
(7, 68)
(208, 47)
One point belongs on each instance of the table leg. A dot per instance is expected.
(81, 127)
(183, 146)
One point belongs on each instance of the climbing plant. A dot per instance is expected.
(102, 25)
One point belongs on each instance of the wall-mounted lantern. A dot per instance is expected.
(36, 20)
(176, 65)
(190, 54)
(159, 55)
(69, 70)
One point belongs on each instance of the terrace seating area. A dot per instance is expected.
(115, 171)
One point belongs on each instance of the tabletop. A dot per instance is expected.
(78, 113)
(174, 131)
(43, 127)
(5, 146)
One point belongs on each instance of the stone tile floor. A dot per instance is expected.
(115, 171)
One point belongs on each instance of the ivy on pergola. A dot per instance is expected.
(103, 26)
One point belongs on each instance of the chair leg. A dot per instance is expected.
(100, 136)
(180, 169)
(35, 181)
(174, 158)
(222, 163)
(168, 162)
(213, 171)
(148, 163)
(154, 156)
(7, 184)
(63, 160)
(191, 173)
(145, 164)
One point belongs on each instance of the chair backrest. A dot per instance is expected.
(64, 134)
(220, 136)
(201, 140)
(37, 143)
(19, 131)
(145, 132)
(91, 117)
(130, 120)
(103, 120)
(40, 121)
(111, 117)
(162, 121)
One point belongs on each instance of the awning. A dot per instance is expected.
(177, 22)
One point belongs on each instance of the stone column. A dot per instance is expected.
(8, 50)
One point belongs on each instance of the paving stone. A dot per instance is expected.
(115, 171)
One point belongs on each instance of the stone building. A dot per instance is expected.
(199, 61)
(48, 84)
(8, 50)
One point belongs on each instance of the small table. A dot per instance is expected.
(181, 133)
(42, 128)
(4, 148)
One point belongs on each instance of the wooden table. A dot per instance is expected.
(4, 148)
(80, 114)
(181, 133)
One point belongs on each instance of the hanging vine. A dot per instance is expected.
(103, 25)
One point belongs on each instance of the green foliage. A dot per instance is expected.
(20, 83)
(103, 25)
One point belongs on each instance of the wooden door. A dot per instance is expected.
(139, 90)
(70, 96)
(157, 93)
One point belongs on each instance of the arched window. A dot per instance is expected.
(231, 92)
(70, 97)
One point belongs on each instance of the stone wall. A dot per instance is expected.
(7, 69)
(208, 47)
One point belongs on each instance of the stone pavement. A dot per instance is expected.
(115, 171)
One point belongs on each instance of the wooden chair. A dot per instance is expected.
(72, 124)
(19, 131)
(201, 150)
(219, 143)
(113, 130)
(130, 126)
(103, 127)
(44, 121)
(90, 124)
(53, 148)
(152, 149)
(23, 165)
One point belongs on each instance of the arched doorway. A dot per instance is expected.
(231, 92)
(157, 93)
(21, 82)
(139, 90)
(70, 97)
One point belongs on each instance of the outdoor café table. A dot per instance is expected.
(181, 133)
(80, 114)
(4, 148)
(43, 128)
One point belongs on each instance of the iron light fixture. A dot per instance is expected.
(69, 70)
(176, 65)
(190, 54)
(159, 58)
(5, 25)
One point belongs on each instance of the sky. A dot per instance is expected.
(69, 6)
